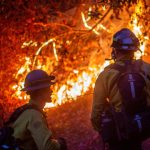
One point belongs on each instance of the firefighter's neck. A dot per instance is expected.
(38, 102)
(122, 57)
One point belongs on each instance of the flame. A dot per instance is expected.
(25, 67)
(39, 50)
(30, 43)
(86, 25)
(77, 87)
(81, 81)
(137, 29)
(89, 18)
(55, 51)
(85, 22)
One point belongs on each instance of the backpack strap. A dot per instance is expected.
(129, 66)
(20, 110)
(121, 70)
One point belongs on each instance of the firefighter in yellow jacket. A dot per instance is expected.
(30, 128)
(106, 91)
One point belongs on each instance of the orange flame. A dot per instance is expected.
(137, 29)
(83, 80)
(77, 87)
(99, 26)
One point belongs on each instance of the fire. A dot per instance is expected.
(99, 26)
(77, 87)
(55, 51)
(137, 29)
(30, 43)
(78, 82)
(24, 68)
(86, 25)
(39, 50)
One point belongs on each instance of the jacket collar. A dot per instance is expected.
(36, 103)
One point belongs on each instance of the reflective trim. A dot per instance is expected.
(138, 120)
(5, 146)
(131, 80)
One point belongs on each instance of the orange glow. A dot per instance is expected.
(78, 82)
(86, 25)
(77, 86)
(55, 51)
(39, 50)
(30, 43)
(137, 29)
(99, 26)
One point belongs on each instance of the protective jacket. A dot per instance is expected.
(105, 92)
(32, 131)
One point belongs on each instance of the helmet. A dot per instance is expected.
(125, 40)
(37, 79)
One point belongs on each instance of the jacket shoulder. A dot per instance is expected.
(113, 67)
(32, 113)
(146, 64)
(29, 114)
(108, 71)
(109, 67)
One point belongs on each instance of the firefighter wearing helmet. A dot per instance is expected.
(121, 100)
(30, 125)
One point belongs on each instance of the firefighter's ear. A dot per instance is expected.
(113, 54)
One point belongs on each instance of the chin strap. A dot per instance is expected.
(113, 56)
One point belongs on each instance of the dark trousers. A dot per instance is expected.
(124, 145)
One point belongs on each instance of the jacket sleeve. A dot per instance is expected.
(40, 132)
(99, 100)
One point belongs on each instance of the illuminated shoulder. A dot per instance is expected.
(109, 67)
(32, 113)
(146, 66)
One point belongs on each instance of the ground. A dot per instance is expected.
(72, 121)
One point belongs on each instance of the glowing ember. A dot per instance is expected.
(86, 25)
(99, 26)
(39, 50)
(30, 43)
(55, 51)
(25, 67)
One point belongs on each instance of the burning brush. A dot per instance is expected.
(78, 81)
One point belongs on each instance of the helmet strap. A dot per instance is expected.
(113, 54)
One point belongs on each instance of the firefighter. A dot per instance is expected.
(31, 128)
(109, 94)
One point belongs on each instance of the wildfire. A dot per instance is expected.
(82, 81)
(39, 50)
(86, 25)
(30, 43)
(99, 26)
(137, 29)
(77, 86)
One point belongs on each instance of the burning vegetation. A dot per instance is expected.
(67, 39)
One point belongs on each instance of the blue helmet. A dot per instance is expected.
(125, 40)
(37, 79)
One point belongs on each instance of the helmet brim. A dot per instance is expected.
(41, 86)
